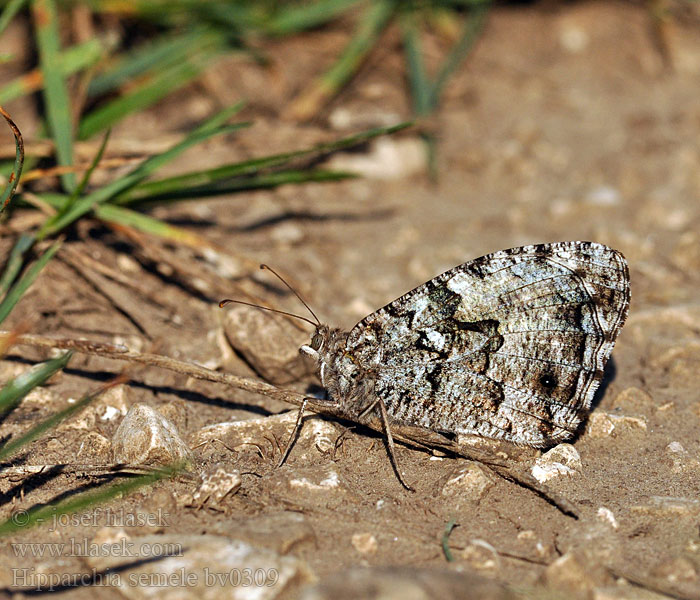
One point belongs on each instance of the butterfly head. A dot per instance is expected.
(326, 347)
(319, 343)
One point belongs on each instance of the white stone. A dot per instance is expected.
(563, 459)
(364, 543)
(110, 413)
(603, 196)
(606, 515)
(676, 448)
(573, 39)
(388, 159)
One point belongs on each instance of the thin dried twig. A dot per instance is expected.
(120, 352)
(413, 436)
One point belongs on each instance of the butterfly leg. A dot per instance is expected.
(390, 444)
(297, 427)
(367, 410)
(295, 432)
(389, 438)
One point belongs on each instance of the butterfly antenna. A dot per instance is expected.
(291, 289)
(282, 312)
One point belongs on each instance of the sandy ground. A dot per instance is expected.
(563, 125)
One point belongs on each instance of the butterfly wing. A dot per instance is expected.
(511, 345)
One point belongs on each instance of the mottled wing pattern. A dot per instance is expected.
(511, 345)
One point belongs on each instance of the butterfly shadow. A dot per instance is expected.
(609, 374)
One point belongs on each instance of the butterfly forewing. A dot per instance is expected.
(511, 345)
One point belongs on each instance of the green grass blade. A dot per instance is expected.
(144, 95)
(70, 61)
(93, 165)
(13, 179)
(16, 444)
(55, 93)
(229, 15)
(446, 539)
(47, 512)
(85, 204)
(209, 128)
(220, 118)
(154, 55)
(10, 10)
(18, 387)
(430, 146)
(470, 33)
(163, 188)
(420, 84)
(472, 3)
(375, 18)
(255, 182)
(15, 262)
(129, 218)
(17, 290)
(281, 178)
(291, 18)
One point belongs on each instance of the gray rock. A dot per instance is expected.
(602, 424)
(406, 583)
(315, 432)
(572, 573)
(145, 437)
(469, 482)
(269, 343)
(200, 567)
(281, 532)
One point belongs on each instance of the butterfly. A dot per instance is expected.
(508, 346)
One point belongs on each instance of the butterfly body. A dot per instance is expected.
(510, 346)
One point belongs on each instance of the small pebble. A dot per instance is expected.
(469, 482)
(606, 515)
(563, 459)
(364, 543)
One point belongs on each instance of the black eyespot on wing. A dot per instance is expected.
(548, 381)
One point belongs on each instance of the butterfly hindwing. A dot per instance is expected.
(511, 345)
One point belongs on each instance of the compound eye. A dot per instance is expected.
(316, 341)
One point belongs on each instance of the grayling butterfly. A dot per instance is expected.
(509, 346)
